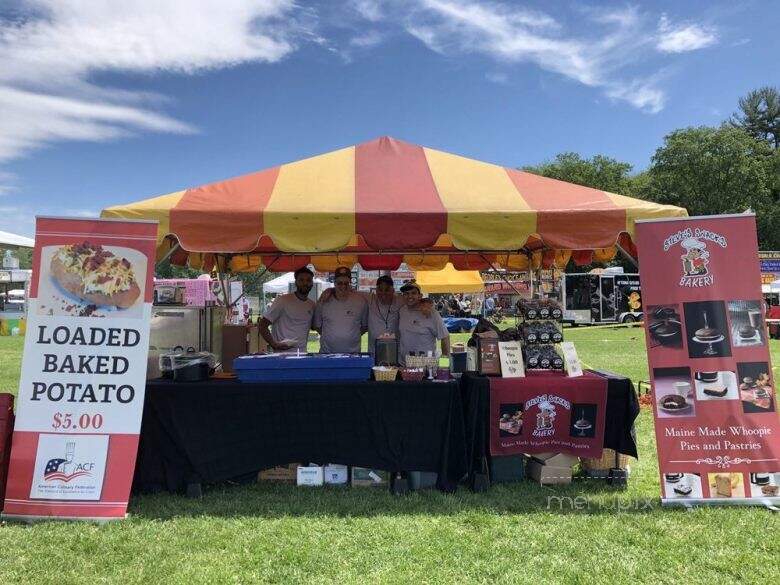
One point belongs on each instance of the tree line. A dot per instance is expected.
(708, 170)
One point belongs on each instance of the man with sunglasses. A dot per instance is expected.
(343, 319)
(384, 306)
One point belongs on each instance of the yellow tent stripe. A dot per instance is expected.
(469, 191)
(293, 217)
(158, 208)
(640, 209)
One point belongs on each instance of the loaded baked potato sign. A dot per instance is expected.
(83, 369)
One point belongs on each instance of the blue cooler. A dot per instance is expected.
(312, 367)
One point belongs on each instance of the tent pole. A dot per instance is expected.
(627, 256)
(168, 254)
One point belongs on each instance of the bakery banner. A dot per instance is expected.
(716, 422)
(83, 375)
(548, 411)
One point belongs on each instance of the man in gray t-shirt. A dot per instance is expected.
(290, 316)
(383, 309)
(417, 331)
(343, 319)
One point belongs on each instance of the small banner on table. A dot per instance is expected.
(548, 412)
(716, 422)
(81, 391)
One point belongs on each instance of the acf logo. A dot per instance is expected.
(67, 469)
(695, 257)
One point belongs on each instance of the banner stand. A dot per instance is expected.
(713, 386)
(83, 378)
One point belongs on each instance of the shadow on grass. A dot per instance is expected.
(267, 500)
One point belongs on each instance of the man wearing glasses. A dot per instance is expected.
(384, 306)
(344, 318)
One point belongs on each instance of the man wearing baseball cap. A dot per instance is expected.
(418, 332)
(384, 306)
(343, 319)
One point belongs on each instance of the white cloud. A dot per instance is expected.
(615, 40)
(681, 38)
(371, 10)
(640, 93)
(367, 40)
(50, 57)
(510, 34)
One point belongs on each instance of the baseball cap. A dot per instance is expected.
(342, 271)
(410, 286)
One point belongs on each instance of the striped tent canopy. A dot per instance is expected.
(385, 202)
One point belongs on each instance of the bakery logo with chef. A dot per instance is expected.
(696, 257)
(546, 415)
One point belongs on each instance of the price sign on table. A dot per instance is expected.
(511, 359)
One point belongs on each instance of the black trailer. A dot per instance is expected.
(601, 298)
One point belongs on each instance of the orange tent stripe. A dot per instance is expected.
(570, 216)
(237, 203)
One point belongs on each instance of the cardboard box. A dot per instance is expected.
(336, 474)
(311, 475)
(547, 474)
(364, 477)
(557, 459)
(282, 473)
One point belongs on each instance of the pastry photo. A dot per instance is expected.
(682, 485)
(763, 484)
(665, 326)
(756, 387)
(716, 385)
(84, 279)
(707, 329)
(747, 323)
(510, 422)
(674, 393)
(726, 485)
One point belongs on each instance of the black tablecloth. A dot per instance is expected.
(622, 410)
(217, 430)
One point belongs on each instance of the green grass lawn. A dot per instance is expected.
(283, 534)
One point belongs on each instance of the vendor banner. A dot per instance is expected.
(83, 375)
(548, 412)
(716, 422)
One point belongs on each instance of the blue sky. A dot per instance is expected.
(110, 102)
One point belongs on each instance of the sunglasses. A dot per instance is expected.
(343, 281)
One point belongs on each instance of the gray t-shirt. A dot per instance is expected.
(381, 318)
(291, 318)
(341, 323)
(418, 332)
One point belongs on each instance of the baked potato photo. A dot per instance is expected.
(95, 275)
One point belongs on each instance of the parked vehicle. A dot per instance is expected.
(609, 297)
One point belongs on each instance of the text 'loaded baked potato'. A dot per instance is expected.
(95, 275)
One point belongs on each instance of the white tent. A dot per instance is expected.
(281, 284)
(9, 239)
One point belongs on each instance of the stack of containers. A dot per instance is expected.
(6, 430)
(541, 332)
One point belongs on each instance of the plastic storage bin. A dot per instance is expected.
(303, 367)
(507, 468)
